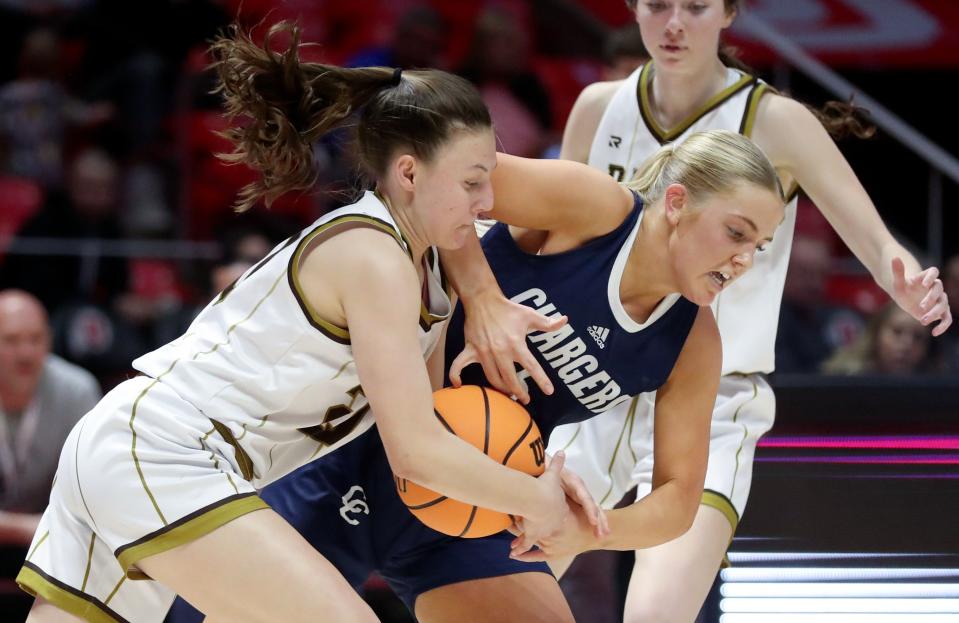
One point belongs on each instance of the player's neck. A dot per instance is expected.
(642, 287)
(674, 96)
(402, 214)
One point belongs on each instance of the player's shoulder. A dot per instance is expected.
(597, 96)
(774, 107)
(781, 122)
(364, 247)
(585, 118)
(781, 116)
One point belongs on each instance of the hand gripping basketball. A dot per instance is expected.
(498, 426)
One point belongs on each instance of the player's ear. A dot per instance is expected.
(676, 198)
(404, 172)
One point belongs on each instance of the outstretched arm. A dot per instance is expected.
(496, 328)
(800, 147)
(558, 196)
(684, 407)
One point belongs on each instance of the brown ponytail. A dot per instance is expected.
(287, 105)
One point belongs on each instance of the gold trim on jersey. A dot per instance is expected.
(133, 443)
(612, 462)
(749, 121)
(243, 460)
(723, 504)
(667, 135)
(752, 105)
(793, 191)
(45, 536)
(186, 529)
(86, 573)
(33, 580)
(123, 578)
(330, 330)
(427, 318)
(745, 432)
(336, 333)
(579, 427)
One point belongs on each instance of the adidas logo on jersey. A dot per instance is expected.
(599, 334)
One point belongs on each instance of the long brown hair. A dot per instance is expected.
(286, 105)
(840, 119)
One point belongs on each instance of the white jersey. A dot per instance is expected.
(277, 381)
(747, 311)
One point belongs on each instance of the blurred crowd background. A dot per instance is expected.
(116, 215)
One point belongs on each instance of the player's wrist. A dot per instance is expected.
(479, 291)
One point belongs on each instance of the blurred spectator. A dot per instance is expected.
(36, 110)
(893, 343)
(132, 54)
(88, 209)
(498, 63)
(810, 328)
(950, 340)
(623, 52)
(19, 17)
(95, 319)
(41, 398)
(419, 41)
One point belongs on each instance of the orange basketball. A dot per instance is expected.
(498, 426)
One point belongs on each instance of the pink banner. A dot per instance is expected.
(887, 33)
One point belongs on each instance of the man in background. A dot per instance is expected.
(41, 398)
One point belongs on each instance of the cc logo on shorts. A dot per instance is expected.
(354, 502)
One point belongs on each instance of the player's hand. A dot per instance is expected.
(575, 537)
(922, 296)
(550, 516)
(577, 492)
(495, 332)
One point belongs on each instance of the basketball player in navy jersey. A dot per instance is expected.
(692, 84)
(632, 269)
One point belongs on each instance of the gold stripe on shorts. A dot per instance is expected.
(721, 503)
(33, 580)
(186, 529)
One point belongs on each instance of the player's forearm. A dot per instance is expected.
(458, 470)
(468, 270)
(661, 516)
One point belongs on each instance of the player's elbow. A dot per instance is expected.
(685, 507)
(408, 465)
(413, 456)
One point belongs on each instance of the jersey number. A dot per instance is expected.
(328, 433)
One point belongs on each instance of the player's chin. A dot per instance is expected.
(702, 296)
(457, 237)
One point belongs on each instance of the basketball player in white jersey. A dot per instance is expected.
(615, 126)
(156, 491)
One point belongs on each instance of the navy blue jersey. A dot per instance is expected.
(346, 505)
(602, 357)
